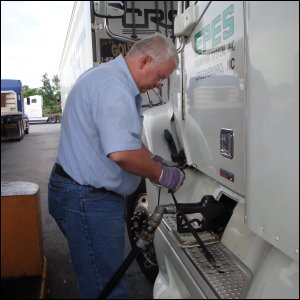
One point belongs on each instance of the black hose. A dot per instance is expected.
(122, 269)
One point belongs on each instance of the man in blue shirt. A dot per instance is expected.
(101, 159)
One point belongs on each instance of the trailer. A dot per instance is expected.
(88, 44)
(14, 123)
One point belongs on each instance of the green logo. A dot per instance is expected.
(219, 29)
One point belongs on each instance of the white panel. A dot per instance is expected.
(214, 84)
(77, 54)
(272, 123)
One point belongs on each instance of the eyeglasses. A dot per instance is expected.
(161, 79)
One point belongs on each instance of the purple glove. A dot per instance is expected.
(171, 178)
(163, 161)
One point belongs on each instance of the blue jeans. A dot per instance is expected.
(93, 221)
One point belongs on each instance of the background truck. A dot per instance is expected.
(88, 44)
(14, 123)
(230, 119)
(33, 107)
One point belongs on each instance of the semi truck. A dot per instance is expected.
(33, 107)
(14, 123)
(230, 120)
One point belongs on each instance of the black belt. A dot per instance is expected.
(61, 172)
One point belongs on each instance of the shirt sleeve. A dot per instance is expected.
(118, 121)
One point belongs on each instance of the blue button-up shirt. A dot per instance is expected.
(102, 115)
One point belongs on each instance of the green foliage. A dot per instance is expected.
(50, 93)
(27, 91)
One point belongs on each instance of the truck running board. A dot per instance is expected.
(231, 277)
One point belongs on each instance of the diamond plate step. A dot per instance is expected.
(230, 278)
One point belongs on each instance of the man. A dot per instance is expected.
(101, 159)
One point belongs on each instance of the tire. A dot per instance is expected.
(52, 119)
(21, 130)
(137, 202)
(26, 129)
(58, 119)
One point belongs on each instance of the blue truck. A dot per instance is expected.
(14, 123)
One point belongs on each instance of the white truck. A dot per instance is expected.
(34, 109)
(230, 119)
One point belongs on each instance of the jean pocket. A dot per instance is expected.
(58, 202)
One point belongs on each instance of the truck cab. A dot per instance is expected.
(229, 117)
(231, 120)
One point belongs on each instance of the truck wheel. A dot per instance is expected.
(21, 131)
(52, 119)
(137, 212)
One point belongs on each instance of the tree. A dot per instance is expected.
(50, 93)
(27, 91)
(56, 87)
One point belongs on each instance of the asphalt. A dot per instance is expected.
(31, 160)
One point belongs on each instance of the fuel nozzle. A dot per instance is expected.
(153, 222)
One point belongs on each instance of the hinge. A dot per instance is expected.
(96, 26)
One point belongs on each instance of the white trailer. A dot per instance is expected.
(88, 44)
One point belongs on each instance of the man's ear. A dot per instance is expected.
(145, 59)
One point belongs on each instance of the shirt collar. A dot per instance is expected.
(138, 103)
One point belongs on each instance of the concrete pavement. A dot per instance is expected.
(31, 160)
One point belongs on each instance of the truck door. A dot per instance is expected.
(211, 110)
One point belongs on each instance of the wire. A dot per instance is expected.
(158, 96)
(150, 101)
(158, 200)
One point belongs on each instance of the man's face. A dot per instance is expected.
(154, 74)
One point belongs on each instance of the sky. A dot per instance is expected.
(32, 39)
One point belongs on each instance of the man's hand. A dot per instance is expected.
(171, 178)
(163, 161)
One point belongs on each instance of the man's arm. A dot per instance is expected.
(141, 163)
(147, 151)
(138, 162)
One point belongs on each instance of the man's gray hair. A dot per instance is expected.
(158, 46)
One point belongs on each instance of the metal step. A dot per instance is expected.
(230, 278)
